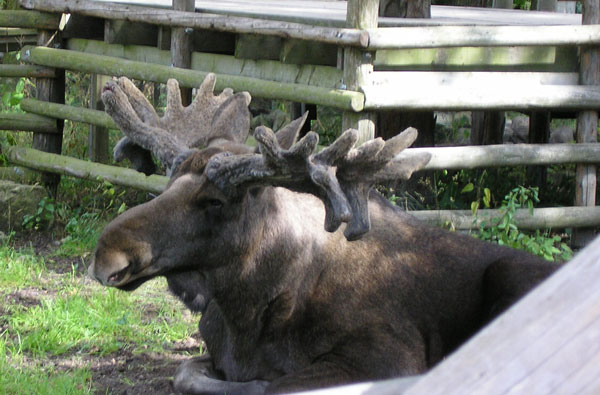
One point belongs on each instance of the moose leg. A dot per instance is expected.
(368, 355)
(197, 376)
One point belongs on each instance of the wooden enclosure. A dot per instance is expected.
(329, 53)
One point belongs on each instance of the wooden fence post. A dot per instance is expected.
(358, 64)
(182, 44)
(50, 90)
(587, 123)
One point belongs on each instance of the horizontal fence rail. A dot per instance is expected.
(23, 70)
(457, 98)
(459, 219)
(28, 122)
(29, 19)
(481, 36)
(451, 158)
(98, 64)
(329, 35)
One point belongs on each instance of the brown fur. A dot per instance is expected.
(288, 306)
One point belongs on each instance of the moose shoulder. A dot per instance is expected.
(304, 276)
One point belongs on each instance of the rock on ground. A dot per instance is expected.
(17, 201)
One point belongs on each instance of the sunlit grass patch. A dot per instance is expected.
(81, 316)
(17, 377)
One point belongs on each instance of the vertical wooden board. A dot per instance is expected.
(98, 136)
(358, 65)
(182, 44)
(539, 133)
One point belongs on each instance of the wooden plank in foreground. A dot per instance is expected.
(548, 343)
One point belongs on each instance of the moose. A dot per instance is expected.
(305, 276)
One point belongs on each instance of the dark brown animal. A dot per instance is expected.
(287, 303)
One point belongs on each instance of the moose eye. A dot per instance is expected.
(215, 203)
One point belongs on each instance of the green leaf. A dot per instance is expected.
(468, 188)
(487, 197)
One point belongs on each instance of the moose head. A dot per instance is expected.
(212, 171)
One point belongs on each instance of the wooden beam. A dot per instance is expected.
(323, 76)
(27, 123)
(507, 97)
(548, 59)
(225, 23)
(68, 166)
(547, 343)
(182, 45)
(542, 218)
(22, 70)
(29, 19)
(63, 111)
(481, 36)
(343, 99)
(472, 157)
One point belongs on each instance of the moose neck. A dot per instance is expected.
(282, 231)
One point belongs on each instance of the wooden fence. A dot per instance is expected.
(330, 56)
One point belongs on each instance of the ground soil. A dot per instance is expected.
(118, 373)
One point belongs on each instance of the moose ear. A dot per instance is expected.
(287, 135)
(140, 158)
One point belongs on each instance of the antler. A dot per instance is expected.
(209, 120)
(340, 176)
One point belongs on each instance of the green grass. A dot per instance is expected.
(72, 315)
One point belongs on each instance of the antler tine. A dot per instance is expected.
(340, 176)
(223, 120)
(118, 106)
(372, 163)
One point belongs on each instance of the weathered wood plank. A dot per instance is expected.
(538, 345)
(182, 45)
(587, 121)
(468, 79)
(27, 123)
(29, 19)
(75, 114)
(323, 76)
(65, 165)
(472, 157)
(555, 59)
(542, 218)
(481, 36)
(203, 21)
(343, 99)
(508, 97)
(358, 65)
(21, 70)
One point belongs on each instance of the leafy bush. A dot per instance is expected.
(504, 230)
